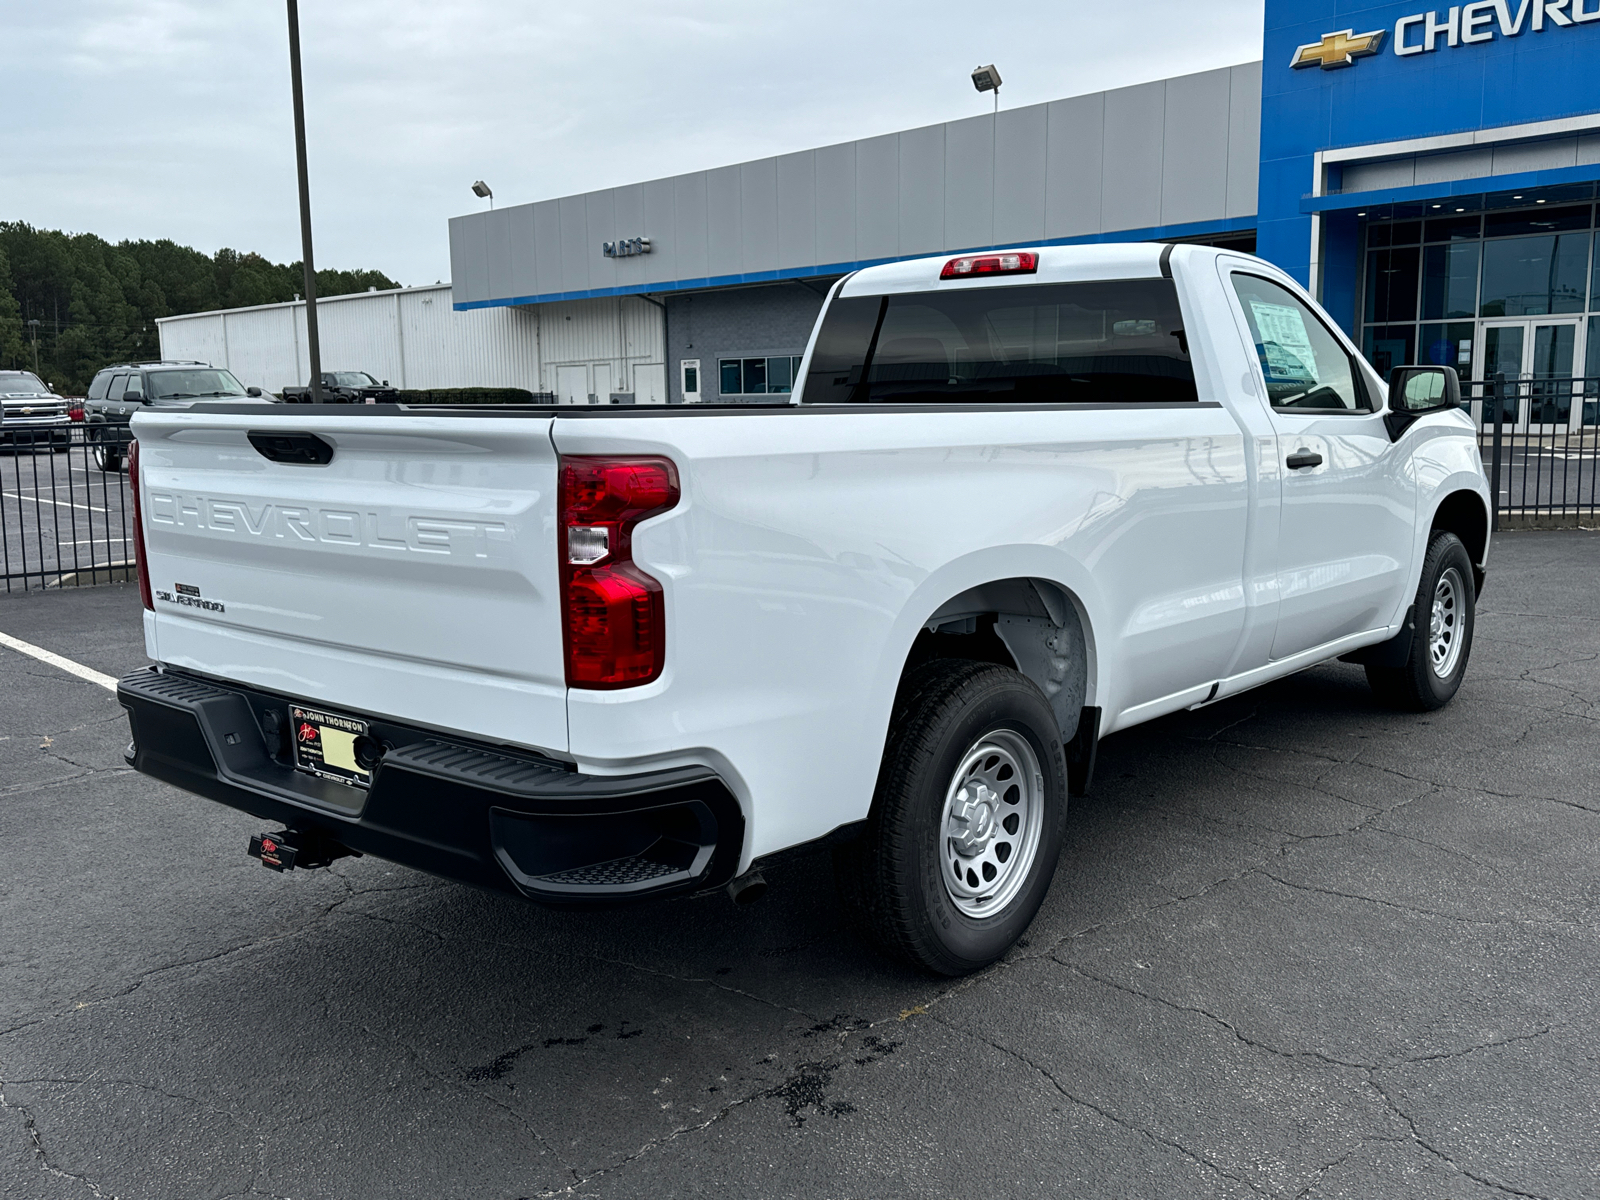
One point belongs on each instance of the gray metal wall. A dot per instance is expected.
(737, 323)
(1178, 156)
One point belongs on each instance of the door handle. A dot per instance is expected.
(1303, 458)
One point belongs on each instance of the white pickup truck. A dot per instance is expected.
(1018, 502)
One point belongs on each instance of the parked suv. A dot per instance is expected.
(120, 391)
(32, 414)
(345, 387)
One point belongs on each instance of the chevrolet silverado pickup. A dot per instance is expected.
(1017, 502)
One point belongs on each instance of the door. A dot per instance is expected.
(572, 385)
(602, 384)
(1348, 508)
(1540, 354)
(650, 383)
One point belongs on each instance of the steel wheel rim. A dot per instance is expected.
(1445, 632)
(990, 826)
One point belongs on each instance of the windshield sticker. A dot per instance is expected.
(1286, 351)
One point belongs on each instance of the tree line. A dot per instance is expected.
(96, 303)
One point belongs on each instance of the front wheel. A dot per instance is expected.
(107, 458)
(1442, 642)
(967, 822)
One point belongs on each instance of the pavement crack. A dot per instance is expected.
(1430, 1148)
(1243, 1038)
(36, 1142)
(1107, 1114)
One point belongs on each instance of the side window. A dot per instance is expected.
(1306, 367)
(118, 384)
(97, 388)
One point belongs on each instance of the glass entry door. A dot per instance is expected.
(1540, 354)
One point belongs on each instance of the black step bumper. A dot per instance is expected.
(500, 819)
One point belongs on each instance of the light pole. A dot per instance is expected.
(34, 325)
(312, 342)
(482, 190)
(987, 79)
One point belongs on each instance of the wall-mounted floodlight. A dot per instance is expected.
(987, 79)
(483, 191)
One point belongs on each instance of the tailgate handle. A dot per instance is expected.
(305, 449)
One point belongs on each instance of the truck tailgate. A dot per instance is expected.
(413, 576)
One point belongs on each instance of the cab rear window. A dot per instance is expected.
(1116, 341)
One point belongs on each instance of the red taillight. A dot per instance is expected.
(75, 413)
(1019, 262)
(614, 618)
(139, 555)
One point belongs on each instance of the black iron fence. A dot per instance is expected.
(1540, 440)
(66, 512)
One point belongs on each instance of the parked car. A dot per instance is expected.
(119, 391)
(1017, 502)
(345, 387)
(31, 414)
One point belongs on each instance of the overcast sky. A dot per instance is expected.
(171, 118)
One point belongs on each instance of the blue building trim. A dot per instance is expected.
(1522, 181)
(1154, 234)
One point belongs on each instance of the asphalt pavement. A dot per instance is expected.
(1298, 946)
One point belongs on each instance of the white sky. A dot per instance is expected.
(171, 118)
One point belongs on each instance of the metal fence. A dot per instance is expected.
(1540, 441)
(66, 512)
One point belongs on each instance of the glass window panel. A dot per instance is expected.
(1387, 347)
(1405, 233)
(691, 380)
(1535, 276)
(1545, 220)
(1550, 393)
(1447, 346)
(1306, 368)
(780, 374)
(117, 386)
(755, 375)
(1594, 304)
(1107, 341)
(1591, 387)
(1452, 229)
(1450, 280)
(1380, 235)
(1392, 285)
(731, 383)
(1502, 355)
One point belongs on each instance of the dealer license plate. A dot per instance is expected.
(325, 745)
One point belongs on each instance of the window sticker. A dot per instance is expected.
(1286, 351)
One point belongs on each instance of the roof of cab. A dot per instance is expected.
(1057, 264)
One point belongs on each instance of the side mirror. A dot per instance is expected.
(133, 397)
(1416, 391)
(385, 383)
(253, 391)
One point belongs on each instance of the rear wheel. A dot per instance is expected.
(1442, 642)
(967, 821)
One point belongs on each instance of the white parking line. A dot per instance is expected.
(57, 503)
(55, 660)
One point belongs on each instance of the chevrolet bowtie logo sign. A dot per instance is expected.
(1338, 49)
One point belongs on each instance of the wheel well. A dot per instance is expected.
(1463, 514)
(1030, 625)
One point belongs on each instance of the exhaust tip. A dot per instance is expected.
(747, 889)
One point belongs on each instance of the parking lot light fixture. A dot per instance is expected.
(987, 79)
(482, 190)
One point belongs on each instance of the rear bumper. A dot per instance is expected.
(500, 819)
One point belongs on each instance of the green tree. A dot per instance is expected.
(97, 303)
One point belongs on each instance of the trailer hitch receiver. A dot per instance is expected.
(290, 848)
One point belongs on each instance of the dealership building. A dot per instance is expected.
(1429, 174)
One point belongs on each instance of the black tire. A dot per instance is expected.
(893, 878)
(1420, 685)
(107, 458)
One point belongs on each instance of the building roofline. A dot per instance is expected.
(1197, 229)
(217, 312)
